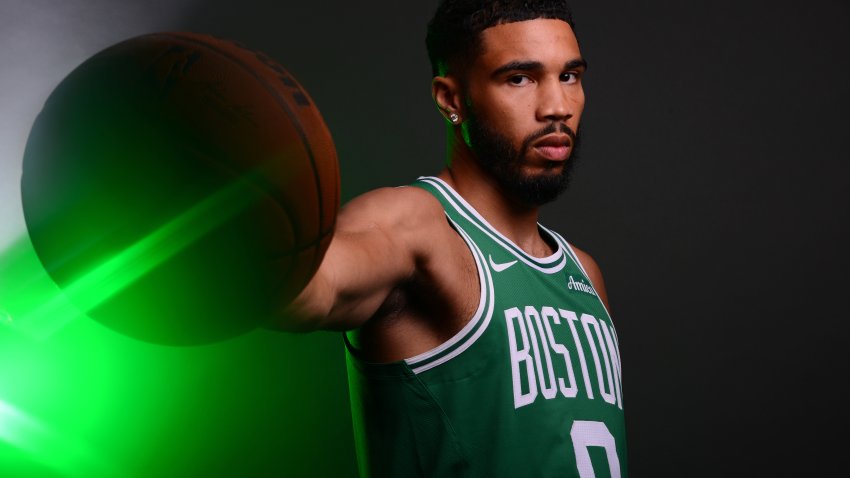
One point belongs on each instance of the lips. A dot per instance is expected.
(554, 147)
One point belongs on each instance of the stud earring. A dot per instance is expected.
(454, 118)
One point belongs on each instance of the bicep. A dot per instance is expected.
(361, 268)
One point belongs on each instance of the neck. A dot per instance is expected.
(514, 219)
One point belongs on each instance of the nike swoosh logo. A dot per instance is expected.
(500, 267)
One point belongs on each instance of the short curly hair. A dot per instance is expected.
(454, 33)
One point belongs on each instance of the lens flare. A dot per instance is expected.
(46, 447)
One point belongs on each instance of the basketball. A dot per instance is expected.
(179, 188)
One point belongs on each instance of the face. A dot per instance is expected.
(524, 100)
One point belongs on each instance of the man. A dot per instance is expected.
(478, 342)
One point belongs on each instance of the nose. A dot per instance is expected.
(558, 101)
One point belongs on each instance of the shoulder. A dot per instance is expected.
(405, 208)
(587, 262)
(593, 273)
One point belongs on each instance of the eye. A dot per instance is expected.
(569, 77)
(519, 80)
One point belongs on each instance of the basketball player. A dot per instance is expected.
(479, 342)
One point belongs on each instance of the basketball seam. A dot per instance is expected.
(305, 246)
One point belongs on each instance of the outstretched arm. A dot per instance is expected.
(374, 249)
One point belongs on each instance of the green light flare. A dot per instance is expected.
(31, 302)
(62, 401)
(152, 410)
(102, 404)
(45, 446)
(48, 396)
(16, 427)
(114, 274)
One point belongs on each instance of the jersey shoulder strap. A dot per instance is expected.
(451, 201)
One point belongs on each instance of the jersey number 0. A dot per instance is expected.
(585, 434)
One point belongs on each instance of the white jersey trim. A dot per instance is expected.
(575, 259)
(454, 198)
(485, 282)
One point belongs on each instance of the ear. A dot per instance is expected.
(446, 92)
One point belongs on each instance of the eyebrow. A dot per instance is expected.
(535, 65)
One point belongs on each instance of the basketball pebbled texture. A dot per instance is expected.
(180, 188)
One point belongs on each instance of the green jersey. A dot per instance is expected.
(529, 387)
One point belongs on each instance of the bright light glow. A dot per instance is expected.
(51, 450)
(42, 42)
(17, 428)
(30, 301)
(113, 275)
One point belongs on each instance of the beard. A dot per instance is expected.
(504, 162)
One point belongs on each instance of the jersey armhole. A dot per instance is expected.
(477, 324)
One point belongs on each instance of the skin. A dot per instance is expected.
(396, 273)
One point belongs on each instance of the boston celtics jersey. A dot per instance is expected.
(530, 387)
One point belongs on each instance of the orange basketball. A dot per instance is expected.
(180, 188)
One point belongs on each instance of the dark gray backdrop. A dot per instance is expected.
(712, 190)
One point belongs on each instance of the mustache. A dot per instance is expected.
(549, 129)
